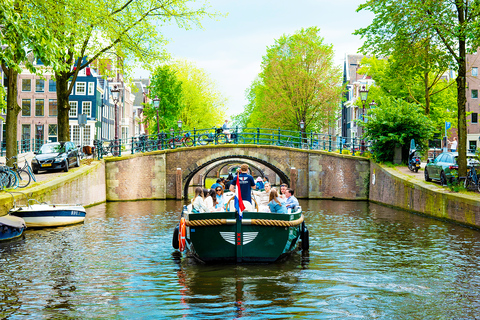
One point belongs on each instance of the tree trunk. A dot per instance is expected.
(427, 94)
(461, 102)
(63, 107)
(13, 109)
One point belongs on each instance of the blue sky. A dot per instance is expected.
(230, 50)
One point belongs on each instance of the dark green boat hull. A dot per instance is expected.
(240, 241)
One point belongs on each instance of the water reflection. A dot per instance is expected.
(365, 261)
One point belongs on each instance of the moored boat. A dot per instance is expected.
(11, 227)
(253, 237)
(38, 215)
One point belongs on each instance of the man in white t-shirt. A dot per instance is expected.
(453, 144)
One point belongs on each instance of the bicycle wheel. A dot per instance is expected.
(187, 142)
(30, 172)
(240, 140)
(4, 179)
(23, 178)
(221, 138)
(12, 179)
(204, 140)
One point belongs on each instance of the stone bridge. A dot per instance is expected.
(166, 174)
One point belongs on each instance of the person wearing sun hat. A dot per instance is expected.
(259, 184)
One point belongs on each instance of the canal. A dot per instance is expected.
(365, 262)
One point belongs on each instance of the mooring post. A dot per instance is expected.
(178, 184)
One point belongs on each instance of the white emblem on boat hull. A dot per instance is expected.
(247, 237)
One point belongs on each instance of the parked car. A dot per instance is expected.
(444, 167)
(56, 155)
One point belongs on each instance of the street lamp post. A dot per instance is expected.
(179, 123)
(156, 104)
(363, 97)
(302, 130)
(116, 96)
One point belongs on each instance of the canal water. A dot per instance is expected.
(365, 262)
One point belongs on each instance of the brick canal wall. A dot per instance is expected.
(85, 186)
(390, 187)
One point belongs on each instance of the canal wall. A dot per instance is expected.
(85, 186)
(390, 187)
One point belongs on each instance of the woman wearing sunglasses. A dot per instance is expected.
(220, 198)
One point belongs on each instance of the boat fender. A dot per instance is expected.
(181, 235)
(175, 237)
(305, 238)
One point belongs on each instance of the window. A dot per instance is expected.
(26, 112)
(52, 108)
(73, 109)
(52, 85)
(25, 143)
(474, 94)
(472, 145)
(474, 72)
(39, 85)
(86, 108)
(80, 88)
(52, 131)
(26, 85)
(39, 107)
(86, 135)
(91, 88)
(75, 134)
(474, 117)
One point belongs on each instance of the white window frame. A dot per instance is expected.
(30, 85)
(86, 135)
(73, 109)
(475, 72)
(75, 134)
(91, 88)
(78, 86)
(87, 105)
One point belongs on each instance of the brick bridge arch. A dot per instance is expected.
(164, 174)
(225, 159)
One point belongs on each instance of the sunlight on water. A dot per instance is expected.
(365, 261)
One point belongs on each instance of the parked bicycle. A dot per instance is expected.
(8, 178)
(472, 180)
(178, 141)
(220, 138)
(24, 174)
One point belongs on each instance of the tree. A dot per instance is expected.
(298, 82)
(203, 105)
(165, 86)
(395, 122)
(186, 93)
(407, 82)
(119, 30)
(450, 26)
(19, 37)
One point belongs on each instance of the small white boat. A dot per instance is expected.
(11, 227)
(39, 215)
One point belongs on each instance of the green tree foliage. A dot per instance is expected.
(118, 31)
(165, 86)
(451, 27)
(298, 82)
(394, 80)
(203, 105)
(186, 93)
(395, 122)
(19, 37)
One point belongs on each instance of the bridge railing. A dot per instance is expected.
(236, 136)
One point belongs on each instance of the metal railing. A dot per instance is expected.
(235, 136)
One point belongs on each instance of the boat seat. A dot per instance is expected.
(189, 208)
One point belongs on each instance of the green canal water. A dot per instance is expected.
(365, 262)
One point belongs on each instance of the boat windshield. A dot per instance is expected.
(52, 148)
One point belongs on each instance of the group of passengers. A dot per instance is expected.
(267, 198)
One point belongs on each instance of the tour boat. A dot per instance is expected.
(38, 215)
(11, 227)
(253, 237)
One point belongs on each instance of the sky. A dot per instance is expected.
(230, 49)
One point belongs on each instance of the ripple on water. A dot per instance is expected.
(365, 261)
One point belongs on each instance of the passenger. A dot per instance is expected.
(276, 204)
(220, 199)
(211, 200)
(259, 183)
(216, 184)
(283, 189)
(291, 202)
(262, 197)
(246, 183)
(198, 204)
